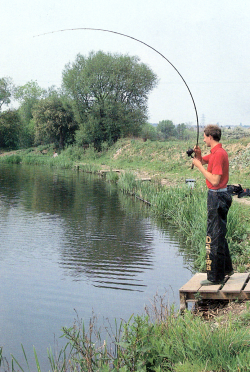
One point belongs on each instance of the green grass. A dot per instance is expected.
(11, 159)
(159, 340)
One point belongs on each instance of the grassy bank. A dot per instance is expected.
(168, 342)
(160, 340)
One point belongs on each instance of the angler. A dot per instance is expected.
(219, 200)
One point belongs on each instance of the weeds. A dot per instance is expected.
(11, 159)
(161, 341)
(112, 177)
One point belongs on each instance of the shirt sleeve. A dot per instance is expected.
(206, 158)
(217, 166)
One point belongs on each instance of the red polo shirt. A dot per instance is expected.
(218, 164)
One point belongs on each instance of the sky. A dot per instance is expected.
(208, 42)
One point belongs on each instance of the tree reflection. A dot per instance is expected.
(106, 239)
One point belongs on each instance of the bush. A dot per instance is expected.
(9, 129)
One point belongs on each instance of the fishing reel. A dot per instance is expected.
(190, 152)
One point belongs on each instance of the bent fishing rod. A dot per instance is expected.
(189, 151)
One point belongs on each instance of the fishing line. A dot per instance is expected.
(142, 42)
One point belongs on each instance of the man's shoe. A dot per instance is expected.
(208, 282)
(230, 273)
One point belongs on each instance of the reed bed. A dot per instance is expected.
(38, 159)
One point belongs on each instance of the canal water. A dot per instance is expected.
(72, 245)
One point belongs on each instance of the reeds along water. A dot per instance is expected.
(186, 208)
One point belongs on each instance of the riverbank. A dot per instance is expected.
(165, 161)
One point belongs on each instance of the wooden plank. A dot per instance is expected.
(247, 288)
(212, 295)
(222, 296)
(103, 171)
(193, 285)
(235, 283)
(143, 179)
(210, 288)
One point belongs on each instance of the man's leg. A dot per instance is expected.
(215, 243)
(225, 201)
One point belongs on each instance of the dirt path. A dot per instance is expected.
(245, 201)
(7, 153)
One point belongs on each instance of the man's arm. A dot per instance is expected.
(198, 156)
(214, 179)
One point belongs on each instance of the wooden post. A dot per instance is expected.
(183, 302)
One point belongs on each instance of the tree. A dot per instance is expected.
(5, 91)
(54, 121)
(166, 129)
(181, 128)
(28, 95)
(10, 127)
(148, 132)
(109, 95)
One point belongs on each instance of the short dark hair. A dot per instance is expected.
(214, 131)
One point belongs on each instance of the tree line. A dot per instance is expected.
(103, 97)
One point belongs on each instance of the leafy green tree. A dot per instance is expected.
(180, 129)
(10, 127)
(54, 121)
(148, 132)
(28, 95)
(109, 95)
(166, 129)
(5, 91)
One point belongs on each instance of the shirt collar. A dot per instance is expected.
(215, 148)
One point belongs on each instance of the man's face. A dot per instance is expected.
(207, 140)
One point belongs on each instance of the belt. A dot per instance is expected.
(219, 190)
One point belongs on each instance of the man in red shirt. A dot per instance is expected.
(218, 260)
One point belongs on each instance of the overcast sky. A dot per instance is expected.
(208, 41)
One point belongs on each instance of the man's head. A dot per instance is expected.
(214, 131)
(212, 135)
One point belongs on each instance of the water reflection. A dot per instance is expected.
(68, 241)
(183, 246)
(101, 239)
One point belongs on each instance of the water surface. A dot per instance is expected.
(73, 244)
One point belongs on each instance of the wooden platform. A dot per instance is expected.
(236, 287)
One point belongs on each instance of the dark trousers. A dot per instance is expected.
(218, 260)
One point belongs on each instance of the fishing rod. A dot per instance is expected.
(147, 45)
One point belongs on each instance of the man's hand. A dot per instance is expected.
(197, 163)
(197, 151)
